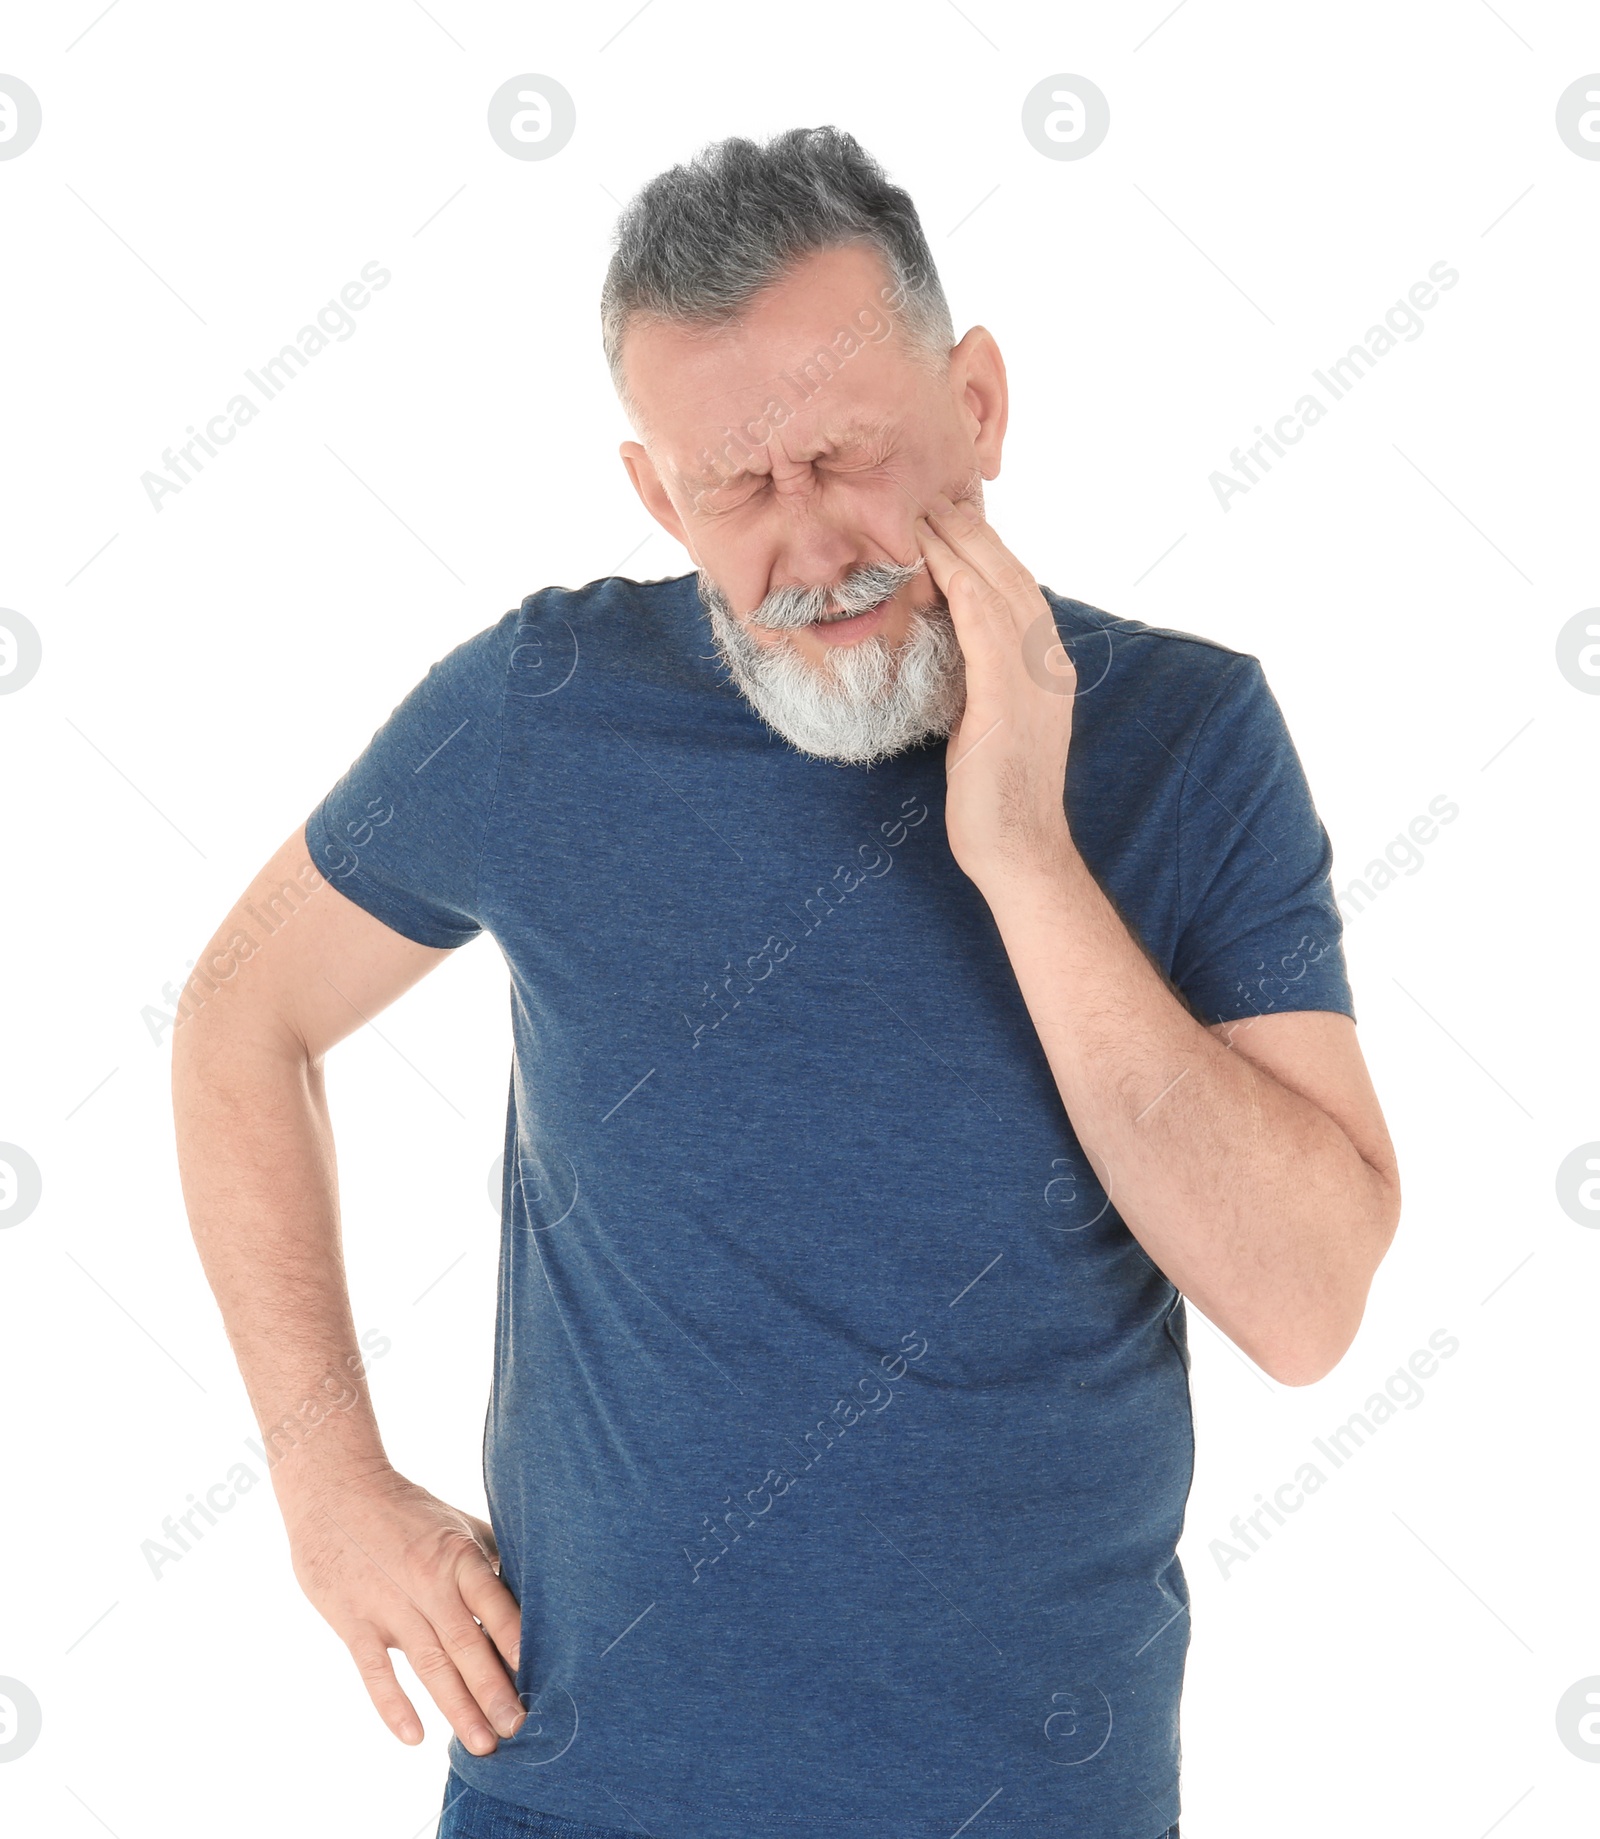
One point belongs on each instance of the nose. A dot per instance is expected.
(816, 550)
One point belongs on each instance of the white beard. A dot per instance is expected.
(860, 703)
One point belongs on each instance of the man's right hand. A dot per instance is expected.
(389, 1565)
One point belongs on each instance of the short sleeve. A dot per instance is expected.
(1259, 931)
(402, 832)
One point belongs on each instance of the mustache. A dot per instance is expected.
(787, 608)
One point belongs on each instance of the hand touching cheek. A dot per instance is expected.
(1007, 758)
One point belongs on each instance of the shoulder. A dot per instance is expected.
(535, 646)
(611, 626)
(609, 604)
(474, 668)
(1163, 676)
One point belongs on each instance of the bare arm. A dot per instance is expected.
(293, 969)
(1250, 1161)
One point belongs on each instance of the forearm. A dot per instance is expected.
(256, 1158)
(1251, 1199)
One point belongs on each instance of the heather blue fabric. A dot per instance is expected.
(840, 1433)
(467, 1814)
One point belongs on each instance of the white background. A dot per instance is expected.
(1274, 179)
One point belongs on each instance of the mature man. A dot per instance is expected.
(921, 983)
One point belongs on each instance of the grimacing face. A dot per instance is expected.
(798, 446)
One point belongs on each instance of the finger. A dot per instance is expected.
(476, 1659)
(975, 540)
(941, 559)
(495, 1607)
(977, 608)
(433, 1665)
(957, 535)
(958, 583)
(483, 1532)
(371, 1655)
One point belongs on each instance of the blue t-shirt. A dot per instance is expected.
(840, 1433)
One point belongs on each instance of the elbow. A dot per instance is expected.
(1327, 1327)
(1305, 1362)
(1318, 1342)
(1314, 1350)
(1299, 1351)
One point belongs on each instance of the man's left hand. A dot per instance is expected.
(1007, 757)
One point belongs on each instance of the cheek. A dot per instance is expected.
(739, 561)
(886, 510)
(744, 570)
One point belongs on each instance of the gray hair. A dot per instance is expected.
(702, 239)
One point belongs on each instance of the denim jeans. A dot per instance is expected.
(470, 1815)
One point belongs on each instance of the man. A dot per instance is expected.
(921, 983)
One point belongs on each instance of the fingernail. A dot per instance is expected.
(481, 1741)
(507, 1718)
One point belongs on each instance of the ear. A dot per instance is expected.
(653, 494)
(978, 382)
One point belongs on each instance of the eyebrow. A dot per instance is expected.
(876, 431)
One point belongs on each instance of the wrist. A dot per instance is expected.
(1047, 868)
(307, 1466)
